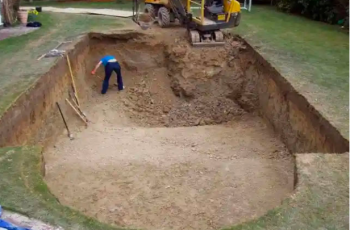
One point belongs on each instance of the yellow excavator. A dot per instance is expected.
(204, 29)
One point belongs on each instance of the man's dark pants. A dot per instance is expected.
(109, 68)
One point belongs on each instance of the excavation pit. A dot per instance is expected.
(199, 139)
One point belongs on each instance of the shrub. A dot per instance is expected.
(330, 11)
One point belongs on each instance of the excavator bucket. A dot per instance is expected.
(144, 26)
(144, 20)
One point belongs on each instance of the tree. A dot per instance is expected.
(9, 11)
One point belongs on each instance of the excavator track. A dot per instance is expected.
(194, 37)
(219, 36)
(210, 40)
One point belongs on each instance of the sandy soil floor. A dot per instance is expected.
(152, 160)
(203, 177)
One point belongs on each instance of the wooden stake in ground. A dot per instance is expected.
(65, 123)
(78, 108)
(76, 101)
(73, 82)
(41, 57)
(59, 52)
(77, 112)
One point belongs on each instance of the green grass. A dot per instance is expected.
(313, 56)
(127, 5)
(321, 200)
(23, 190)
(19, 65)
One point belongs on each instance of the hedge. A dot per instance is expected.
(330, 11)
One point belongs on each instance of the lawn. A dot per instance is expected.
(19, 65)
(321, 200)
(23, 190)
(313, 56)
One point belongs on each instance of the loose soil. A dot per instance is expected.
(180, 148)
(204, 177)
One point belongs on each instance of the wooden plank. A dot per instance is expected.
(73, 82)
(77, 112)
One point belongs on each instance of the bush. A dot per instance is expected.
(330, 11)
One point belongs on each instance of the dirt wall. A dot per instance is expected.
(29, 117)
(34, 117)
(238, 72)
(300, 126)
(217, 85)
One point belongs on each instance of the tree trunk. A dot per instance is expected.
(15, 4)
(10, 8)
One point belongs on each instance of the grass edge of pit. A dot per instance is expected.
(332, 140)
(321, 178)
(23, 190)
(32, 185)
(338, 144)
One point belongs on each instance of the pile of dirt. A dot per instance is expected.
(205, 71)
(174, 84)
(203, 111)
(148, 108)
(208, 83)
(155, 108)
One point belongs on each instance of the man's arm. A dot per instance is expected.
(96, 67)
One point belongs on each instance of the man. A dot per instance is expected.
(110, 63)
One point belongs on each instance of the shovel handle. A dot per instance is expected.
(64, 120)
